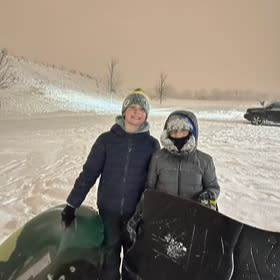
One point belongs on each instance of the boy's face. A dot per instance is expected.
(135, 115)
(179, 133)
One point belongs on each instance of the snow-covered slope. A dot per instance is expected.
(34, 88)
(40, 88)
(30, 74)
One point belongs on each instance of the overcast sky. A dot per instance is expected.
(198, 43)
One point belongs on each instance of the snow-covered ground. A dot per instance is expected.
(46, 137)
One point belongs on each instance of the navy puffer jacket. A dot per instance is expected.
(122, 160)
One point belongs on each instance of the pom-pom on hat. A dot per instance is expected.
(137, 97)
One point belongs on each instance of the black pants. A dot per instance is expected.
(116, 237)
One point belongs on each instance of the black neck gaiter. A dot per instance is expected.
(180, 142)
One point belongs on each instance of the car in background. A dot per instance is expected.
(261, 115)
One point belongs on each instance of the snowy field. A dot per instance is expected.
(42, 153)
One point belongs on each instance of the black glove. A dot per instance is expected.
(68, 215)
(208, 199)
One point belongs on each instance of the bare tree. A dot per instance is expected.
(161, 87)
(6, 77)
(98, 81)
(3, 67)
(112, 80)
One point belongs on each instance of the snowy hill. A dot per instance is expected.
(30, 87)
(35, 88)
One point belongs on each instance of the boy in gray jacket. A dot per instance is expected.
(179, 168)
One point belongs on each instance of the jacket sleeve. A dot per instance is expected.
(91, 170)
(210, 182)
(152, 173)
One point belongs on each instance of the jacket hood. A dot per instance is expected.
(191, 144)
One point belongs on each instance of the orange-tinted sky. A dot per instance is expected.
(198, 43)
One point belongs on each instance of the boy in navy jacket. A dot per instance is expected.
(121, 158)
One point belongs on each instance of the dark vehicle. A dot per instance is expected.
(258, 116)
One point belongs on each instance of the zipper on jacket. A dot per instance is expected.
(179, 174)
(179, 177)
(125, 174)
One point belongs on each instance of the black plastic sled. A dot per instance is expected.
(180, 239)
(44, 250)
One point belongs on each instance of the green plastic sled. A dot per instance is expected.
(44, 250)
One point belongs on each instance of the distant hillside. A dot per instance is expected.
(15, 71)
(28, 87)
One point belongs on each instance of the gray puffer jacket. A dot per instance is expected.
(186, 173)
